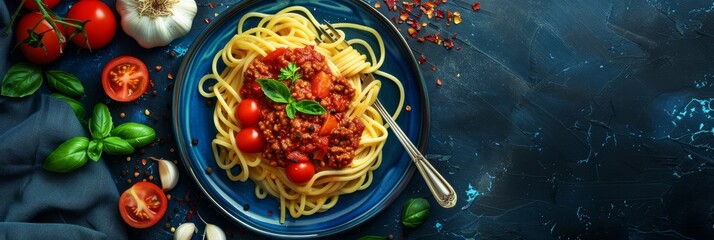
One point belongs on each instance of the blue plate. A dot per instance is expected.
(193, 119)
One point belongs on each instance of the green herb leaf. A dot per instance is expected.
(275, 90)
(289, 72)
(100, 124)
(117, 146)
(372, 238)
(136, 134)
(415, 212)
(65, 83)
(69, 156)
(309, 107)
(290, 110)
(76, 106)
(94, 150)
(22, 79)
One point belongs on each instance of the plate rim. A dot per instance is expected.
(422, 135)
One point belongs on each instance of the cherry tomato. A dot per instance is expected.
(101, 27)
(329, 125)
(249, 140)
(33, 51)
(321, 85)
(248, 112)
(300, 172)
(142, 205)
(30, 4)
(125, 78)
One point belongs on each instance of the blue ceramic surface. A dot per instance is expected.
(193, 119)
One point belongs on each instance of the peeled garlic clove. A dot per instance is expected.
(213, 232)
(168, 173)
(185, 231)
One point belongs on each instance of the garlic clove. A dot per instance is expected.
(185, 231)
(168, 173)
(214, 232)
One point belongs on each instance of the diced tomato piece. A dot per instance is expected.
(297, 156)
(321, 85)
(274, 54)
(329, 125)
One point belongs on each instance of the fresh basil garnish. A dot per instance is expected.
(76, 106)
(100, 124)
(117, 146)
(69, 156)
(136, 134)
(415, 212)
(289, 72)
(275, 90)
(94, 150)
(22, 79)
(309, 107)
(65, 83)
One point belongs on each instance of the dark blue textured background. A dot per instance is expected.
(556, 120)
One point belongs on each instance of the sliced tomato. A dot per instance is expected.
(300, 172)
(125, 78)
(274, 54)
(321, 85)
(329, 125)
(142, 205)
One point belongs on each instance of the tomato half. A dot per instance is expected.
(101, 27)
(32, 6)
(142, 205)
(249, 140)
(125, 78)
(248, 112)
(300, 172)
(33, 51)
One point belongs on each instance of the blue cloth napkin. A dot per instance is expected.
(38, 204)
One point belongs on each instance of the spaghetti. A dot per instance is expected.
(293, 28)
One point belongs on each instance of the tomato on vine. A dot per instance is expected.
(41, 45)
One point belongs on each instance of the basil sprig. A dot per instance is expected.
(415, 212)
(278, 92)
(24, 79)
(106, 138)
(65, 83)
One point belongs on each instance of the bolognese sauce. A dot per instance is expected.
(328, 140)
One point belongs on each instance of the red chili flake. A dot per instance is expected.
(439, 82)
(453, 36)
(433, 68)
(412, 32)
(421, 39)
(391, 4)
(409, 8)
(448, 43)
(439, 14)
(449, 15)
(377, 5)
(408, 108)
(458, 48)
(422, 59)
(394, 19)
(212, 5)
(207, 20)
(403, 16)
(143, 161)
(170, 76)
(270, 213)
(158, 68)
(476, 6)
(430, 38)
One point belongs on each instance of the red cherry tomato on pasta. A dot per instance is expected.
(300, 172)
(249, 140)
(142, 205)
(30, 4)
(125, 78)
(35, 53)
(101, 25)
(248, 112)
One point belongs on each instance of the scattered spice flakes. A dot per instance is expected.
(270, 213)
(408, 108)
(147, 112)
(143, 161)
(412, 32)
(403, 16)
(212, 5)
(433, 68)
(448, 43)
(207, 20)
(151, 177)
(173, 229)
(209, 170)
(136, 173)
(128, 159)
(171, 76)
(422, 59)
(439, 82)
(122, 115)
(476, 6)
(158, 68)
(377, 4)
(391, 4)
(172, 54)
(457, 17)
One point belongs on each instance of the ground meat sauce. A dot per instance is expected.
(290, 140)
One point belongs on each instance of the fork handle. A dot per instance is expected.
(439, 187)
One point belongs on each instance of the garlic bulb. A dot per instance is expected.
(168, 173)
(185, 231)
(154, 23)
(214, 232)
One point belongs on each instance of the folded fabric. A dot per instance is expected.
(38, 204)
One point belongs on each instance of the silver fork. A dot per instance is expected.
(439, 187)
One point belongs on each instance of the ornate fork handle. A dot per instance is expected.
(439, 187)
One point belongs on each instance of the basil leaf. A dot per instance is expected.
(94, 150)
(372, 238)
(290, 110)
(136, 134)
(275, 90)
(65, 83)
(69, 156)
(100, 124)
(22, 79)
(117, 146)
(76, 106)
(415, 212)
(309, 107)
